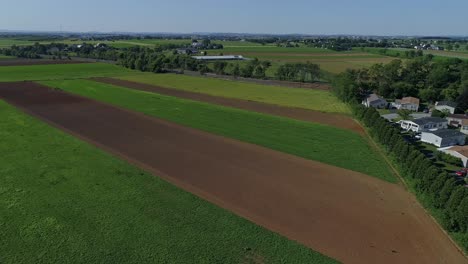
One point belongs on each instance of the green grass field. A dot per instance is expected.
(312, 141)
(62, 199)
(5, 57)
(59, 71)
(302, 98)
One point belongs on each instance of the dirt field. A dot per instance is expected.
(343, 214)
(335, 120)
(23, 62)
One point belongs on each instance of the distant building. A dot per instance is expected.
(228, 57)
(444, 138)
(196, 44)
(424, 124)
(446, 106)
(456, 120)
(373, 100)
(459, 152)
(100, 45)
(187, 51)
(408, 103)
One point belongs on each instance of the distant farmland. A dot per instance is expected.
(330, 61)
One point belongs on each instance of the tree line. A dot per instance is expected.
(421, 77)
(440, 192)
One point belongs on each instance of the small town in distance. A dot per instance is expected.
(246, 132)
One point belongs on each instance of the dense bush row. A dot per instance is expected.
(441, 193)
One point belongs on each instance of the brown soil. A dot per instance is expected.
(343, 214)
(335, 120)
(22, 62)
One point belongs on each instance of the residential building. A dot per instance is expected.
(196, 44)
(373, 100)
(459, 152)
(446, 106)
(408, 103)
(187, 51)
(228, 57)
(424, 124)
(464, 127)
(444, 137)
(456, 119)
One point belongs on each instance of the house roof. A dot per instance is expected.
(459, 116)
(426, 120)
(446, 133)
(373, 97)
(409, 100)
(460, 149)
(446, 103)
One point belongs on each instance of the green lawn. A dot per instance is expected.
(63, 200)
(5, 57)
(302, 98)
(59, 71)
(312, 141)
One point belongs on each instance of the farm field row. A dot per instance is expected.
(54, 71)
(63, 199)
(312, 141)
(331, 119)
(301, 98)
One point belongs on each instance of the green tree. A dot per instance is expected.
(404, 114)
(236, 70)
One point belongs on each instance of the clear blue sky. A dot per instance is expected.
(390, 17)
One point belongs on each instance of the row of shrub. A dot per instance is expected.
(446, 196)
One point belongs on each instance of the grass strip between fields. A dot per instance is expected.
(318, 100)
(326, 144)
(62, 199)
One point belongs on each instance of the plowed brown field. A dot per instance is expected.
(343, 214)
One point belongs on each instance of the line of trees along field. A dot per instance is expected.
(421, 77)
(444, 195)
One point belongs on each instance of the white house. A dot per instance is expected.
(444, 137)
(446, 106)
(424, 124)
(373, 100)
(464, 127)
(459, 152)
(408, 103)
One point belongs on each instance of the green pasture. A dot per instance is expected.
(312, 141)
(302, 98)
